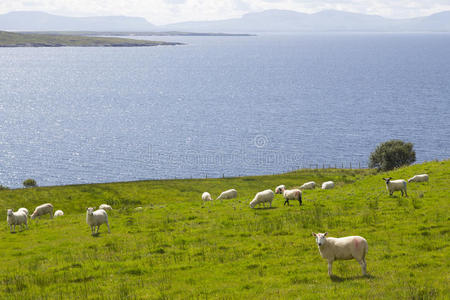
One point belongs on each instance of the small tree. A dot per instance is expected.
(29, 183)
(392, 154)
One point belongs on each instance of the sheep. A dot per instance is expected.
(43, 209)
(96, 218)
(419, 178)
(308, 186)
(24, 210)
(395, 185)
(16, 218)
(262, 197)
(279, 189)
(105, 207)
(229, 194)
(294, 194)
(327, 185)
(139, 208)
(59, 213)
(206, 196)
(342, 249)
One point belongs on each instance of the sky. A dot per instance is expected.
(161, 12)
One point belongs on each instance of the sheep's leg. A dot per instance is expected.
(14, 228)
(93, 230)
(10, 228)
(402, 192)
(330, 266)
(406, 195)
(107, 224)
(362, 262)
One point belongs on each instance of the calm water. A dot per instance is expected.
(232, 105)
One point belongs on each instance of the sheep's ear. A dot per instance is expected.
(314, 234)
(325, 234)
(384, 179)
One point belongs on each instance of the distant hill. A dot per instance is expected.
(41, 21)
(324, 21)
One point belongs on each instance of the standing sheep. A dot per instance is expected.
(279, 189)
(43, 209)
(342, 249)
(327, 185)
(395, 185)
(105, 207)
(24, 210)
(308, 186)
(419, 178)
(16, 218)
(96, 218)
(59, 213)
(262, 197)
(206, 196)
(294, 194)
(229, 194)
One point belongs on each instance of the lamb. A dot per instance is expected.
(279, 189)
(96, 218)
(43, 209)
(24, 210)
(206, 196)
(105, 207)
(342, 249)
(419, 178)
(262, 197)
(308, 186)
(327, 185)
(395, 185)
(16, 218)
(294, 194)
(229, 194)
(59, 213)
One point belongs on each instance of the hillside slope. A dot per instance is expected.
(178, 247)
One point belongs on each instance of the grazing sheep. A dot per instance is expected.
(24, 210)
(395, 185)
(96, 218)
(43, 209)
(206, 196)
(16, 218)
(139, 208)
(294, 194)
(262, 197)
(308, 186)
(419, 178)
(327, 185)
(59, 213)
(229, 194)
(105, 207)
(279, 189)
(342, 249)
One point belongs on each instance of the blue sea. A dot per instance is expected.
(219, 106)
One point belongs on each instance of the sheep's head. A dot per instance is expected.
(280, 189)
(10, 212)
(90, 211)
(320, 238)
(387, 179)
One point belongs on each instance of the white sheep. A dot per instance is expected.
(308, 186)
(206, 196)
(139, 208)
(229, 194)
(279, 189)
(59, 213)
(24, 210)
(43, 209)
(395, 185)
(327, 185)
(419, 178)
(105, 207)
(342, 249)
(96, 218)
(16, 218)
(294, 194)
(262, 197)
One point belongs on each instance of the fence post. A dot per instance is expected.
(359, 165)
(206, 176)
(350, 165)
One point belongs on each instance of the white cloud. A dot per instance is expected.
(168, 11)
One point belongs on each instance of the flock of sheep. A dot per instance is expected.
(330, 248)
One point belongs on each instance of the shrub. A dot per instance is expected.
(29, 183)
(2, 187)
(392, 154)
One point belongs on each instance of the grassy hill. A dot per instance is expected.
(178, 247)
(11, 39)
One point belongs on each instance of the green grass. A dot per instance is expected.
(178, 247)
(11, 39)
